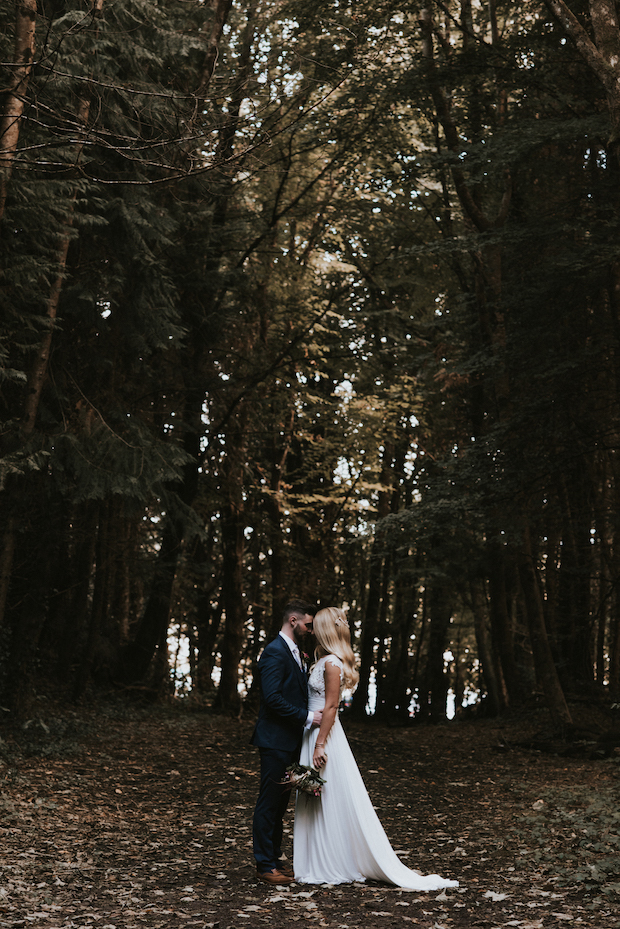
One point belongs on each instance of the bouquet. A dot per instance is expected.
(304, 778)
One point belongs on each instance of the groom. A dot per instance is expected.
(282, 718)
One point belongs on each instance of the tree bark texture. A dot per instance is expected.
(497, 694)
(20, 71)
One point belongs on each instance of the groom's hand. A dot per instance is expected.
(318, 717)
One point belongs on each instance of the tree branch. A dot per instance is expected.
(584, 44)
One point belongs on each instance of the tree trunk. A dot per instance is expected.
(553, 614)
(38, 371)
(153, 624)
(233, 549)
(377, 587)
(228, 698)
(395, 698)
(28, 612)
(614, 647)
(497, 694)
(416, 684)
(501, 622)
(575, 652)
(137, 655)
(98, 606)
(279, 593)
(6, 564)
(370, 630)
(120, 595)
(221, 10)
(23, 60)
(435, 693)
(204, 630)
(75, 623)
(543, 659)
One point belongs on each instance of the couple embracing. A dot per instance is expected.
(337, 836)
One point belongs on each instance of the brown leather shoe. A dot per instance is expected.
(275, 877)
(285, 868)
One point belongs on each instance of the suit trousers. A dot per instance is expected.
(271, 806)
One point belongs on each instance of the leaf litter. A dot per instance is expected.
(143, 818)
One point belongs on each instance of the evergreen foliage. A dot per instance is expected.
(314, 300)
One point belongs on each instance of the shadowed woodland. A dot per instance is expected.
(312, 300)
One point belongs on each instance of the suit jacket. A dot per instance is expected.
(283, 699)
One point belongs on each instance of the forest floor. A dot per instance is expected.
(119, 818)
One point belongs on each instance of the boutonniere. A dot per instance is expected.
(305, 660)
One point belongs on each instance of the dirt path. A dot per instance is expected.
(130, 819)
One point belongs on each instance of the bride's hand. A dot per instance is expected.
(319, 758)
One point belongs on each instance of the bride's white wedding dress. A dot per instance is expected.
(338, 837)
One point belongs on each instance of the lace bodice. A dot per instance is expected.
(316, 681)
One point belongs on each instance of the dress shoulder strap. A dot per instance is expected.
(333, 659)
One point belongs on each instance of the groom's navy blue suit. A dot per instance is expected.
(278, 734)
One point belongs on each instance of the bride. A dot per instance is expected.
(338, 837)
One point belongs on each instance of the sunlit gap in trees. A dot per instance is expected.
(600, 157)
(471, 695)
(285, 38)
(180, 668)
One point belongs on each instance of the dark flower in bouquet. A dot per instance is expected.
(304, 778)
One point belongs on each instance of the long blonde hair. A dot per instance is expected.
(331, 631)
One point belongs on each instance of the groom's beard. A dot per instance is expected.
(301, 638)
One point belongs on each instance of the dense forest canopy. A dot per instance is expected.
(313, 300)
